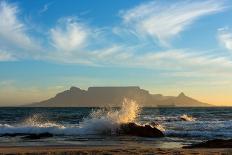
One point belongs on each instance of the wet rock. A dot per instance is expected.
(153, 124)
(28, 136)
(216, 143)
(12, 134)
(140, 130)
(37, 136)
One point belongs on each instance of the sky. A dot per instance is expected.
(163, 46)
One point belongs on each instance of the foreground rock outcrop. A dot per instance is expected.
(216, 143)
(140, 130)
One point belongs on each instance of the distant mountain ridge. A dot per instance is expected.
(113, 96)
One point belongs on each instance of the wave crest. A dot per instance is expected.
(188, 118)
(102, 121)
(99, 122)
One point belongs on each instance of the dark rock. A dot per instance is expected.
(140, 130)
(216, 143)
(37, 136)
(12, 134)
(28, 136)
(183, 119)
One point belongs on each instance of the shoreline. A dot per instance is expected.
(109, 150)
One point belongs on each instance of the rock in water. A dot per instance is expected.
(140, 130)
(216, 143)
(37, 136)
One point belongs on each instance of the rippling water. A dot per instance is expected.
(86, 126)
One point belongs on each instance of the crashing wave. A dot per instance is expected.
(188, 118)
(107, 122)
(100, 122)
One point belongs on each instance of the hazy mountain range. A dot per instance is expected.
(113, 96)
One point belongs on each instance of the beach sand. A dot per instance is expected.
(107, 150)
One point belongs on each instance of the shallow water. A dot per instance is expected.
(94, 126)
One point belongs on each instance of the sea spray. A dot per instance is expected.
(38, 120)
(108, 122)
(43, 122)
(100, 122)
(188, 118)
(158, 126)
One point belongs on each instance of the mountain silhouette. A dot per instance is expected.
(113, 96)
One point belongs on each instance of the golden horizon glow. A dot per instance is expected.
(11, 97)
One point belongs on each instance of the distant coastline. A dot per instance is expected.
(168, 105)
(113, 96)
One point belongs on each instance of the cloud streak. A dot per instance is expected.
(5, 56)
(225, 37)
(163, 22)
(45, 8)
(69, 35)
(12, 30)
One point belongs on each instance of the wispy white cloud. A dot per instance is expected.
(12, 30)
(163, 21)
(173, 61)
(45, 8)
(187, 60)
(6, 56)
(179, 60)
(69, 35)
(225, 37)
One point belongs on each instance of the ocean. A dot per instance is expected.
(96, 126)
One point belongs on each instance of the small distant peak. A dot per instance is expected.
(74, 88)
(181, 94)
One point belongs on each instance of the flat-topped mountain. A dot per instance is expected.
(113, 96)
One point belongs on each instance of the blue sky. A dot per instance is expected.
(162, 46)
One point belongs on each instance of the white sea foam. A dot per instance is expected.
(108, 121)
(186, 117)
(158, 126)
(104, 121)
(100, 122)
(161, 118)
(38, 120)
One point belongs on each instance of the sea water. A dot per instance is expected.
(97, 126)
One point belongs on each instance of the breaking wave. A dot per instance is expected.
(188, 118)
(176, 118)
(100, 122)
(107, 121)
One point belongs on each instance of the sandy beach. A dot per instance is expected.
(110, 150)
